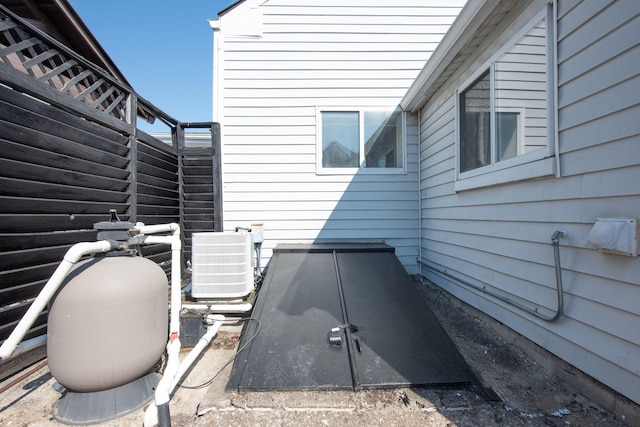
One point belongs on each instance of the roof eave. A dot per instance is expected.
(90, 40)
(470, 19)
(230, 7)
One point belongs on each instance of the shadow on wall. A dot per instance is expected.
(379, 202)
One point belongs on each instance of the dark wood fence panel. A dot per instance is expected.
(70, 152)
(200, 183)
(197, 193)
(157, 191)
(54, 165)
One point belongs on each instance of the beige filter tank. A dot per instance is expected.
(108, 323)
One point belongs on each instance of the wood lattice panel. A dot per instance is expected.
(27, 51)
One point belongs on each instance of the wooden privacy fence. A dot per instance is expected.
(70, 151)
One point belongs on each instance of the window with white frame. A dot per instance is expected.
(366, 139)
(504, 113)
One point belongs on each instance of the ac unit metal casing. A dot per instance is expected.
(222, 264)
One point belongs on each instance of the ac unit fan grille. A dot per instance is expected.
(222, 265)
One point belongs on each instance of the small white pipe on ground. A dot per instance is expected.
(153, 415)
(212, 330)
(195, 307)
(163, 390)
(72, 256)
(174, 373)
(229, 308)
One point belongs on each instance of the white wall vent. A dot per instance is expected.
(615, 235)
(222, 264)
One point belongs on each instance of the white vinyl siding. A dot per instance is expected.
(499, 236)
(355, 54)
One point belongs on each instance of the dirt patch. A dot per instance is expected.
(528, 392)
(225, 340)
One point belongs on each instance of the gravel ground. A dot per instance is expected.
(521, 392)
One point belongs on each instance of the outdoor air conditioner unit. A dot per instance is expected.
(222, 264)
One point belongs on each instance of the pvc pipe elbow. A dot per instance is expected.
(78, 250)
(160, 228)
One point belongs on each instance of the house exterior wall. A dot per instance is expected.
(498, 236)
(276, 63)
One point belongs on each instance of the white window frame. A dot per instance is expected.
(535, 164)
(321, 170)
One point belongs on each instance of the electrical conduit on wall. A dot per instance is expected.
(555, 241)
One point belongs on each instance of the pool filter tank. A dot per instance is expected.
(107, 329)
(108, 323)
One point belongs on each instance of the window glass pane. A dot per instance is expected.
(340, 139)
(507, 134)
(383, 139)
(520, 81)
(475, 125)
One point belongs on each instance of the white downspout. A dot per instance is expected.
(555, 131)
(72, 256)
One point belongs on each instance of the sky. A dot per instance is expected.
(162, 47)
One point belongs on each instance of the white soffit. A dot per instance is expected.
(464, 28)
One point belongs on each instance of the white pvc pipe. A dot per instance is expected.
(70, 258)
(196, 307)
(231, 308)
(176, 276)
(175, 370)
(212, 330)
(163, 390)
(159, 228)
(221, 308)
(163, 393)
(29, 345)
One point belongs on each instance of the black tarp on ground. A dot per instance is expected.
(389, 335)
